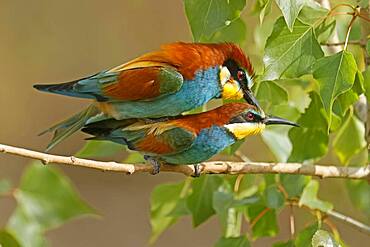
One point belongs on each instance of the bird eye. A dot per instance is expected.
(241, 75)
(250, 116)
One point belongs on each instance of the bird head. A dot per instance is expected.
(236, 75)
(252, 122)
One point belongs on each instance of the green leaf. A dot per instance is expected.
(290, 54)
(266, 226)
(269, 93)
(46, 199)
(235, 32)
(200, 201)
(241, 241)
(289, 243)
(294, 184)
(164, 200)
(309, 198)
(366, 75)
(352, 131)
(274, 198)
(99, 149)
(335, 75)
(222, 201)
(134, 158)
(262, 8)
(208, 16)
(7, 239)
(323, 238)
(5, 186)
(311, 13)
(359, 192)
(313, 129)
(26, 230)
(304, 237)
(290, 10)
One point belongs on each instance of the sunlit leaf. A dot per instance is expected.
(309, 198)
(164, 201)
(200, 201)
(241, 241)
(208, 16)
(366, 75)
(290, 54)
(311, 13)
(352, 131)
(323, 238)
(290, 10)
(335, 75)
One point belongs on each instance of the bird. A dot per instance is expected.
(177, 78)
(187, 139)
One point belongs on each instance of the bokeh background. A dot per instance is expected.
(45, 41)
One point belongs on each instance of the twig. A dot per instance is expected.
(334, 214)
(354, 42)
(291, 221)
(359, 225)
(216, 167)
(259, 216)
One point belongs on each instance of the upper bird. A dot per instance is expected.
(177, 78)
(186, 139)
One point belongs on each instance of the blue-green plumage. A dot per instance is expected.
(209, 142)
(194, 93)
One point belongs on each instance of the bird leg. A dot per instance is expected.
(155, 164)
(196, 171)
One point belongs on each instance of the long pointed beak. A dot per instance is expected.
(277, 120)
(249, 97)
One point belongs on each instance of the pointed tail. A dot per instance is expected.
(67, 127)
(66, 88)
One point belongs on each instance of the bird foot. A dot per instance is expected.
(196, 171)
(155, 164)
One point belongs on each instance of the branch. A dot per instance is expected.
(216, 167)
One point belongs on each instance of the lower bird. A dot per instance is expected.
(189, 139)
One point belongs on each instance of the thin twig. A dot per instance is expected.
(334, 214)
(216, 167)
(359, 225)
(354, 42)
(259, 216)
(291, 220)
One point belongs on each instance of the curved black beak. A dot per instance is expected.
(249, 97)
(277, 120)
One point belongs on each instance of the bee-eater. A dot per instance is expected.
(188, 139)
(177, 78)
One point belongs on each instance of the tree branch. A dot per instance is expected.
(216, 167)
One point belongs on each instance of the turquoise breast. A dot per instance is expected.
(209, 142)
(194, 93)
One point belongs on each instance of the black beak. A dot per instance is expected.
(277, 120)
(249, 97)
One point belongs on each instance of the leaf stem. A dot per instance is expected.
(354, 16)
(259, 216)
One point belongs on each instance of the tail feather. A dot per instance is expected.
(67, 127)
(67, 88)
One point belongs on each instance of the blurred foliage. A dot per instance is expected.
(302, 79)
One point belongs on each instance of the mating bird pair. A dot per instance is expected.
(140, 103)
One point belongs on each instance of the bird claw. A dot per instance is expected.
(155, 164)
(196, 171)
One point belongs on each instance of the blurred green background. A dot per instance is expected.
(54, 41)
